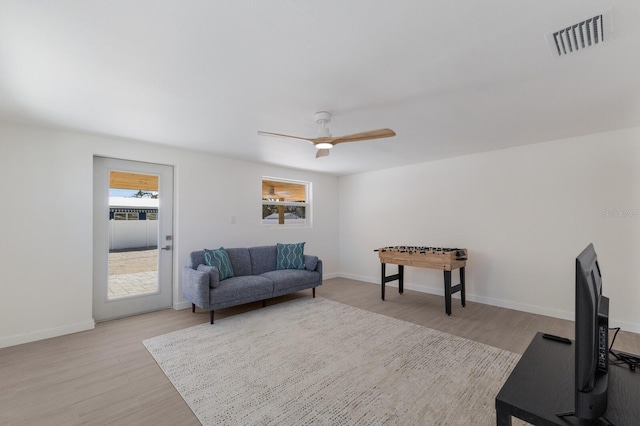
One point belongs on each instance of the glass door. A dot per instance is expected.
(133, 217)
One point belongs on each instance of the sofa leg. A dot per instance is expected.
(314, 292)
(211, 314)
(264, 303)
(193, 308)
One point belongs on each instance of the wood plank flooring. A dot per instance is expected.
(106, 376)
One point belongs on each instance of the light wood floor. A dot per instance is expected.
(106, 376)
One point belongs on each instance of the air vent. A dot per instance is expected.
(587, 33)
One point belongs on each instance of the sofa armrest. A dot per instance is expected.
(196, 287)
(214, 275)
(319, 269)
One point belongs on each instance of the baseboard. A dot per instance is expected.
(439, 291)
(626, 326)
(48, 333)
(329, 276)
(358, 278)
(555, 313)
(501, 303)
(178, 306)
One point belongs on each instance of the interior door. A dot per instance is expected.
(132, 230)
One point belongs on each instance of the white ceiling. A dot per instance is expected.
(450, 77)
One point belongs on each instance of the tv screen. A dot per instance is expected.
(591, 339)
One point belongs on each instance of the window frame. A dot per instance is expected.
(273, 202)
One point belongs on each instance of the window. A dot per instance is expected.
(125, 216)
(285, 202)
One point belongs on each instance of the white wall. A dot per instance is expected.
(523, 213)
(46, 245)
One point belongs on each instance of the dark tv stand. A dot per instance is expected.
(542, 385)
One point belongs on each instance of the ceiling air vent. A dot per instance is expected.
(587, 33)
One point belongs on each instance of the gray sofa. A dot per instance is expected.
(256, 277)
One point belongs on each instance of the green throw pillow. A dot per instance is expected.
(220, 259)
(290, 256)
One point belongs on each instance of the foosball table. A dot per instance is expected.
(445, 259)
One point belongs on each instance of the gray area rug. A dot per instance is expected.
(320, 362)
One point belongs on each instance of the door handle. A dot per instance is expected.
(167, 247)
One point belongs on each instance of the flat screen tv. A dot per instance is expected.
(591, 339)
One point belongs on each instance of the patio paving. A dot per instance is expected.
(132, 272)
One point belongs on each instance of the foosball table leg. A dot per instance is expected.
(383, 281)
(462, 296)
(447, 292)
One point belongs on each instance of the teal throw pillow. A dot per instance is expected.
(220, 259)
(290, 256)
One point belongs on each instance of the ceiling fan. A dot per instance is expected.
(324, 142)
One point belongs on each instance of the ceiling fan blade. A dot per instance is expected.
(365, 136)
(322, 153)
(261, 133)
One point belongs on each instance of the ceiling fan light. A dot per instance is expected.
(324, 145)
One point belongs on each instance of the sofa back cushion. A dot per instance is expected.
(239, 257)
(245, 261)
(241, 261)
(263, 259)
(197, 258)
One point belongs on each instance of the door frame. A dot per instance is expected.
(104, 308)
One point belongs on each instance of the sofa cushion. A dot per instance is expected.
(287, 278)
(220, 259)
(290, 256)
(240, 261)
(263, 259)
(214, 276)
(197, 258)
(241, 287)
